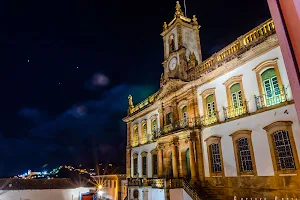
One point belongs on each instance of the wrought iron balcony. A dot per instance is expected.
(148, 182)
(271, 98)
(176, 126)
(134, 143)
(234, 111)
(144, 140)
(210, 118)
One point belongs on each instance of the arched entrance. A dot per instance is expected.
(188, 166)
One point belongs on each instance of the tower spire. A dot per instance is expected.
(178, 11)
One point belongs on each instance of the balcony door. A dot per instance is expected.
(271, 88)
(236, 96)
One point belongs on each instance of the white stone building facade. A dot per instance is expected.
(218, 128)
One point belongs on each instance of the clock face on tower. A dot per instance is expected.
(172, 63)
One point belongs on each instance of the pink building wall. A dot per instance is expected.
(286, 16)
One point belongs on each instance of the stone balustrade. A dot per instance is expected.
(252, 37)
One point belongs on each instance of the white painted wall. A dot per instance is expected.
(190, 42)
(153, 193)
(57, 194)
(147, 148)
(249, 82)
(259, 139)
(179, 194)
(255, 123)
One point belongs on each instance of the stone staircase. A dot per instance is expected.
(195, 190)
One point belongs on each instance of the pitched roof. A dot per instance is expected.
(38, 184)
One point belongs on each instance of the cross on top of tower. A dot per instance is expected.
(179, 16)
(178, 11)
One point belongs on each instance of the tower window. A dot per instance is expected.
(171, 43)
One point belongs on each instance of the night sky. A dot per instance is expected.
(67, 67)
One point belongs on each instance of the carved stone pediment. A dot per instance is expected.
(172, 85)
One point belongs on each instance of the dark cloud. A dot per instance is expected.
(88, 131)
(97, 81)
(32, 114)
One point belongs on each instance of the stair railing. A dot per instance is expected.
(181, 183)
(190, 190)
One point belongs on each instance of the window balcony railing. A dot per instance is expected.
(148, 182)
(134, 143)
(176, 126)
(144, 140)
(231, 112)
(271, 98)
(210, 118)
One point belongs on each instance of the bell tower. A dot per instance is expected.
(182, 50)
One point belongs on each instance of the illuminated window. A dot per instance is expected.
(244, 155)
(236, 95)
(283, 150)
(135, 136)
(216, 164)
(184, 114)
(169, 118)
(145, 138)
(214, 151)
(210, 105)
(271, 87)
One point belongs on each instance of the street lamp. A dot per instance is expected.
(100, 191)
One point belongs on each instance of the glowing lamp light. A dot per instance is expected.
(100, 187)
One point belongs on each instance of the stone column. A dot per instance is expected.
(174, 160)
(160, 160)
(128, 162)
(161, 118)
(199, 157)
(128, 150)
(192, 158)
